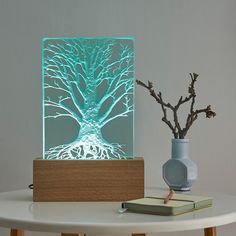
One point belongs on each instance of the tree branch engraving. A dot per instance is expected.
(75, 73)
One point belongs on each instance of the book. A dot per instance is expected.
(179, 204)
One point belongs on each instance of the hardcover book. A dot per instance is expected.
(179, 204)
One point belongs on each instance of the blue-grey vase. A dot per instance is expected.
(179, 172)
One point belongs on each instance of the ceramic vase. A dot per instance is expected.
(179, 172)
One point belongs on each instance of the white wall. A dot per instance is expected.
(173, 38)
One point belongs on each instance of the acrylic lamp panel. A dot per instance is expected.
(88, 98)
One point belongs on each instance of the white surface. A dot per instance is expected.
(18, 211)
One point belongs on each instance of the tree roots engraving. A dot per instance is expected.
(89, 147)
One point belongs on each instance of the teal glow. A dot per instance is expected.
(88, 104)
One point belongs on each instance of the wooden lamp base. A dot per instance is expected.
(88, 180)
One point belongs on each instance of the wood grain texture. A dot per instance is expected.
(17, 232)
(88, 180)
(210, 231)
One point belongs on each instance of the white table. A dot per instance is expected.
(18, 212)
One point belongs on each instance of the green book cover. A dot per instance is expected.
(179, 204)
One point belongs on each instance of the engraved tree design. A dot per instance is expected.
(86, 79)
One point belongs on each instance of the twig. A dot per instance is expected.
(176, 129)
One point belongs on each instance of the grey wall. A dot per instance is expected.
(173, 38)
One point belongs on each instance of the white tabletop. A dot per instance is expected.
(18, 211)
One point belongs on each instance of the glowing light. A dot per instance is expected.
(88, 106)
